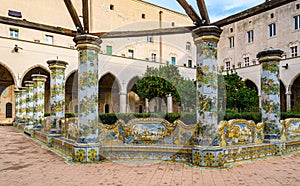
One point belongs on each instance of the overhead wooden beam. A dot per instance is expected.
(37, 26)
(190, 12)
(203, 11)
(85, 13)
(141, 33)
(74, 15)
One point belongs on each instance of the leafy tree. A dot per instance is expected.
(238, 95)
(159, 82)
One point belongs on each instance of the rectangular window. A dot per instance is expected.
(246, 61)
(14, 33)
(227, 65)
(150, 39)
(49, 39)
(231, 42)
(143, 16)
(173, 60)
(297, 22)
(111, 7)
(239, 65)
(190, 63)
(294, 51)
(108, 50)
(272, 30)
(250, 36)
(130, 53)
(153, 57)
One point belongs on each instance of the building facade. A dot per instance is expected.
(272, 24)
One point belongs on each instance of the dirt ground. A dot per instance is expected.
(25, 162)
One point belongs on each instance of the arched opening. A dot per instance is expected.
(6, 93)
(106, 108)
(42, 71)
(282, 97)
(134, 101)
(8, 110)
(109, 94)
(295, 97)
(71, 95)
(251, 85)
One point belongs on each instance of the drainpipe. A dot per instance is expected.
(160, 37)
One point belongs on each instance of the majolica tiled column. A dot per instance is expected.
(57, 91)
(38, 97)
(18, 104)
(23, 94)
(206, 39)
(29, 102)
(88, 47)
(270, 91)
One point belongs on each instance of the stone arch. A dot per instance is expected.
(282, 96)
(109, 93)
(10, 72)
(295, 97)
(39, 69)
(7, 96)
(71, 95)
(134, 101)
(249, 83)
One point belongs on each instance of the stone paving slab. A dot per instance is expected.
(25, 162)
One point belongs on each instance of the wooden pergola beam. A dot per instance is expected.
(141, 33)
(37, 26)
(203, 11)
(74, 15)
(190, 12)
(85, 13)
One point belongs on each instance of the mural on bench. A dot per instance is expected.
(290, 129)
(240, 132)
(150, 131)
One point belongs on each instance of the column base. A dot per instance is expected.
(87, 153)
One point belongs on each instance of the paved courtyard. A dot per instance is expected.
(25, 162)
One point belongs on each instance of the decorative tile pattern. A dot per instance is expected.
(38, 97)
(207, 86)
(57, 91)
(18, 104)
(23, 93)
(88, 47)
(270, 90)
(29, 101)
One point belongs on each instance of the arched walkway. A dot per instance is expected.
(71, 95)
(134, 101)
(282, 97)
(295, 97)
(42, 71)
(7, 95)
(109, 94)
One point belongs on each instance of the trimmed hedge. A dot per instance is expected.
(186, 117)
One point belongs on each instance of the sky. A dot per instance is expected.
(217, 9)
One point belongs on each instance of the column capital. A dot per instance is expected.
(87, 42)
(206, 33)
(23, 89)
(39, 77)
(270, 54)
(28, 83)
(56, 64)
